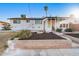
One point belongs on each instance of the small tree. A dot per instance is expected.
(6, 27)
(68, 30)
(59, 30)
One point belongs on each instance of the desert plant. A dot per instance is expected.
(23, 34)
(68, 30)
(59, 30)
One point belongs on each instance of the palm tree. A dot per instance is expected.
(46, 9)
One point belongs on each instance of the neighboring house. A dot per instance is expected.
(58, 22)
(70, 22)
(2, 24)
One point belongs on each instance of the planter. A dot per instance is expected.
(43, 44)
(12, 43)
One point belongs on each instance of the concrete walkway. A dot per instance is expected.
(75, 41)
(42, 52)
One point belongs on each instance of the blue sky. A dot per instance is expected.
(8, 10)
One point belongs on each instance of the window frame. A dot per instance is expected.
(16, 21)
(38, 21)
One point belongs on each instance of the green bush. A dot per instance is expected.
(68, 30)
(23, 34)
(59, 30)
(6, 27)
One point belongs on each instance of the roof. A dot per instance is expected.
(3, 22)
(57, 18)
(49, 18)
(26, 18)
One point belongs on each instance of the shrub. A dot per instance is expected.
(68, 30)
(59, 30)
(23, 34)
(6, 27)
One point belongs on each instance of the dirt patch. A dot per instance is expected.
(4, 36)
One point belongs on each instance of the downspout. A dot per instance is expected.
(44, 25)
(55, 23)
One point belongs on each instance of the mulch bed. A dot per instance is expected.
(74, 35)
(43, 36)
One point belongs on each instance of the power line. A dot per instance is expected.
(29, 10)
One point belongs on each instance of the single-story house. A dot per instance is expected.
(33, 24)
(2, 24)
(36, 24)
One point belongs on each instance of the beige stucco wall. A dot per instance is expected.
(74, 27)
(37, 44)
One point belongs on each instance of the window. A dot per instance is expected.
(27, 21)
(60, 25)
(16, 21)
(63, 25)
(66, 25)
(38, 22)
